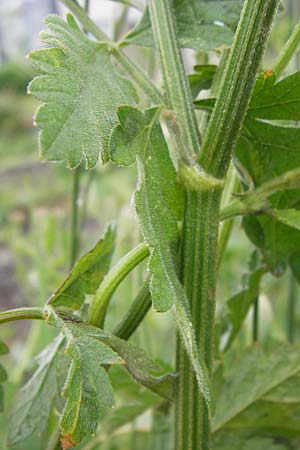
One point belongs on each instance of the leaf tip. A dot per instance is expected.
(67, 442)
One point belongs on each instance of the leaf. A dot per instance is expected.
(261, 393)
(266, 151)
(240, 441)
(87, 274)
(87, 390)
(276, 100)
(290, 217)
(239, 305)
(80, 91)
(4, 350)
(201, 25)
(159, 203)
(202, 78)
(36, 398)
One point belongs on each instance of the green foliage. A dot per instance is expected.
(267, 405)
(267, 150)
(202, 78)
(81, 89)
(3, 375)
(35, 401)
(86, 275)
(158, 202)
(202, 26)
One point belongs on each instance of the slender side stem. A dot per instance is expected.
(112, 280)
(22, 314)
(288, 51)
(135, 314)
(255, 323)
(137, 74)
(74, 235)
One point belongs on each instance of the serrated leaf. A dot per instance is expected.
(80, 91)
(276, 100)
(35, 400)
(87, 274)
(201, 25)
(239, 305)
(87, 390)
(265, 405)
(159, 204)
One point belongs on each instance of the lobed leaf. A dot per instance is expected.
(159, 204)
(87, 390)
(201, 25)
(87, 273)
(80, 91)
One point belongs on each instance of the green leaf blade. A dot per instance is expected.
(80, 90)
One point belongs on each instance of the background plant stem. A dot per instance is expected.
(74, 232)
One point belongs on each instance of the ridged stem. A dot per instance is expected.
(237, 85)
(176, 85)
(112, 280)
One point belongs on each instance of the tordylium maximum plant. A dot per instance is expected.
(201, 162)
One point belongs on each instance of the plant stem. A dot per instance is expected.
(137, 74)
(22, 314)
(135, 314)
(74, 235)
(255, 323)
(112, 280)
(288, 51)
(201, 219)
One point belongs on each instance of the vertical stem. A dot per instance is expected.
(288, 51)
(255, 322)
(74, 234)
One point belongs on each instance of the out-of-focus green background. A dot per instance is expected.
(35, 204)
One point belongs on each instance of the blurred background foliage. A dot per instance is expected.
(35, 205)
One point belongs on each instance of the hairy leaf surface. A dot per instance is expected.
(159, 203)
(80, 91)
(87, 390)
(36, 398)
(201, 25)
(87, 273)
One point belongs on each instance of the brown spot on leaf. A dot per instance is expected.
(268, 73)
(67, 442)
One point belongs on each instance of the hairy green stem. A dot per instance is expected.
(175, 81)
(288, 51)
(137, 74)
(135, 314)
(237, 85)
(112, 280)
(22, 314)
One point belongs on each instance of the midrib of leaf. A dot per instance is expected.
(258, 397)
